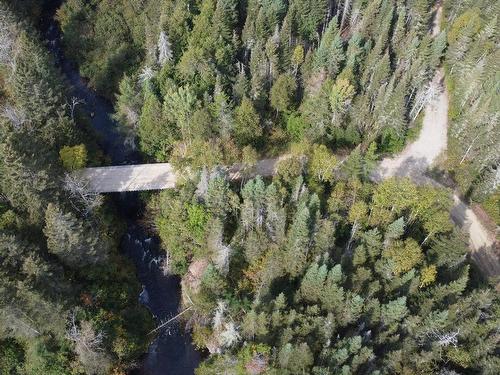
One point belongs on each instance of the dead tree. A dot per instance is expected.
(83, 199)
(84, 336)
(88, 346)
(72, 105)
(147, 73)
(423, 97)
(8, 36)
(165, 266)
(164, 49)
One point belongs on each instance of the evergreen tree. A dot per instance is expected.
(155, 134)
(330, 53)
(282, 93)
(72, 242)
(298, 241)
(247, 127)
(448, 251)
(315, 270)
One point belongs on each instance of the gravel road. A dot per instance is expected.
(420, 155)
(413, 162)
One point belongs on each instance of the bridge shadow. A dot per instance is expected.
(486, 258)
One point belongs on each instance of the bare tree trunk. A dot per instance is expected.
(170, 320)
(345, 11)
(421, 100)
(327, 19)
(74, 102)
(468, 149)
(353, 232)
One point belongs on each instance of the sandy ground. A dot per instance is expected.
(436, 27)
(418, 156)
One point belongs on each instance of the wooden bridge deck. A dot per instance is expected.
(158, 176)
(130, 177)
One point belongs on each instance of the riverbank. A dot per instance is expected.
(171, 352)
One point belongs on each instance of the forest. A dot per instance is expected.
(316, 270)
(68, 300)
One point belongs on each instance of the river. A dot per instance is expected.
(171, 352)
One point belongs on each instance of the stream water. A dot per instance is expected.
(171, 352)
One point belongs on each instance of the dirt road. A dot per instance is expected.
(420, 155)
(412, 162)
(481, 241)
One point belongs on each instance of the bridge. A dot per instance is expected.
(159, 176)
(129, 177)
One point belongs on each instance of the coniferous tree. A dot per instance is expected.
(247, 126)
(71, 241)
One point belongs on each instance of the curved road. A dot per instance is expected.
(419, 156)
